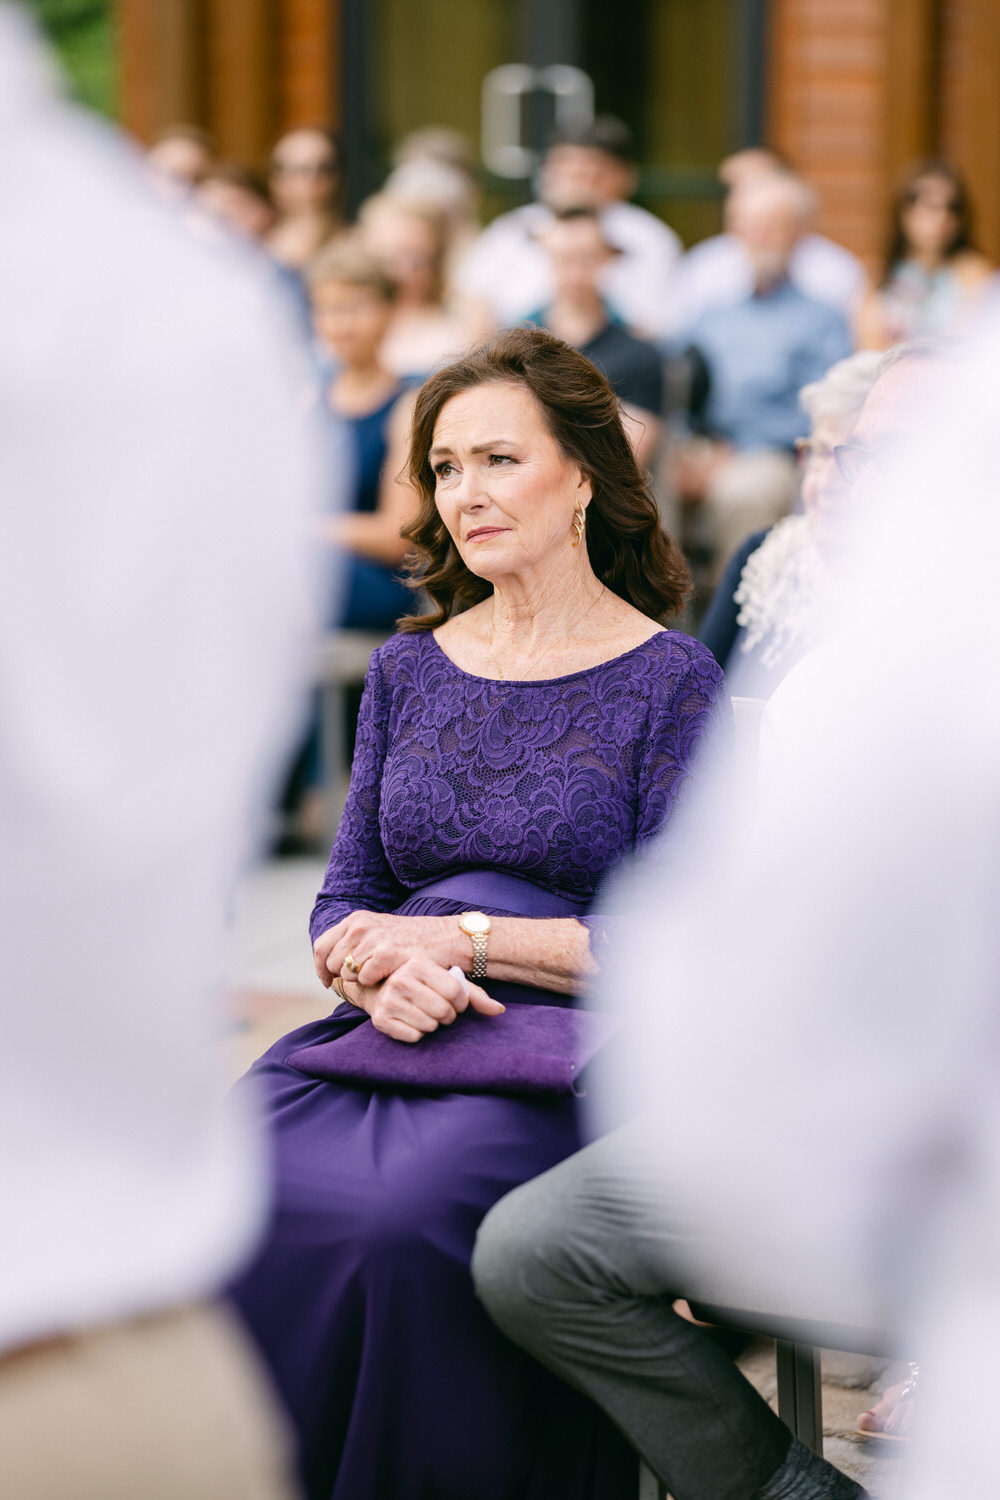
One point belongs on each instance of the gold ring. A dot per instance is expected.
(351, 965)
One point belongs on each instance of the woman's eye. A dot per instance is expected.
(501, 458)
(442, 470)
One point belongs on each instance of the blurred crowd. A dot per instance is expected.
(709, 349)
(741, 363)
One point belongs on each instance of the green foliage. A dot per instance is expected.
(82, 32)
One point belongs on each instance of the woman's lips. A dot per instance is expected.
(483, 533)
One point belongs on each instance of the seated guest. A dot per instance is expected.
(579, 252)
(718, 270)
(434, 168)
(305, 180)
(759, 353)
(933, 273)
(238, 197)
(582, 1265)
(768, 609)
(353, 301)
(516, 741)
(180, 157)
(508, 270)
(427, 327)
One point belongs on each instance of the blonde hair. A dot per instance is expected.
(347, 262)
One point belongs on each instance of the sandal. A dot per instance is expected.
(891, 1427)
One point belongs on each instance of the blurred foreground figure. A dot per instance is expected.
(814, 1020)
(154, 492)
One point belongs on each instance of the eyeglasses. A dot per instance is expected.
(806, 451)
(304, 168)
(852, 459)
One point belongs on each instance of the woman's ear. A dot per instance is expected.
(584, 489)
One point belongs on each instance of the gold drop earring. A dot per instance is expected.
(579, 523)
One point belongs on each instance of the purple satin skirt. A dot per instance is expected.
(398, 1385)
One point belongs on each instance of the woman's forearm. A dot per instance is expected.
(550, 952)
(369, 535)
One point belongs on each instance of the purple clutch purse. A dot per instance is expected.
(529, 1049)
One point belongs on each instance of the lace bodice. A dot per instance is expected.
(554, 781)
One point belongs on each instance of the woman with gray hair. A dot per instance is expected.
(768, 609)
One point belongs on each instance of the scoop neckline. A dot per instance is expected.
(544, 681)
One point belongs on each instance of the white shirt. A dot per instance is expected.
(509, 270)
(154, 482)
(717, 272)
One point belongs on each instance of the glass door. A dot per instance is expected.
(686, 75)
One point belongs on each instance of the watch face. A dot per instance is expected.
(476, 922)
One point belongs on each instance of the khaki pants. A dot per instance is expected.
(170, 1407)
(751, 491)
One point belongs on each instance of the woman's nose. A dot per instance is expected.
(471, 491)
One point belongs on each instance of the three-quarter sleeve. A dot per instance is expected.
(696, 712)
(359, 877)
(694, 718)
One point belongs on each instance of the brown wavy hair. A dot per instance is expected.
(628, 548)
(906, 196)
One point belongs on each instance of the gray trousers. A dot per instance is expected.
(571, 1267)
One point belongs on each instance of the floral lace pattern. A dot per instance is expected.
(554, 781)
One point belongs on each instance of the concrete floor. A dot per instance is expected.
(275, 989)
(851, 1384)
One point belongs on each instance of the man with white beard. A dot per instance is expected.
(813, 1023)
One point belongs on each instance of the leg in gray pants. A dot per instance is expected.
(573, 1267)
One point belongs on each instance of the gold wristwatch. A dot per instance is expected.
(476, 925)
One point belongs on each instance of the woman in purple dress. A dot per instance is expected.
(532, 729)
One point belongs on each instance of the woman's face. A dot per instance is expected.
(929, 222)
(822, 487)
(304, 172)
(405, 247)
(503, 486)
(350, 320)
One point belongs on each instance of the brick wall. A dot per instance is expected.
(245, 69)
(969, 124)
(861, 89)
(857, 90)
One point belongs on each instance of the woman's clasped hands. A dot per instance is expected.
(408, 973)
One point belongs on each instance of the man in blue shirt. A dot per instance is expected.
(758, 352)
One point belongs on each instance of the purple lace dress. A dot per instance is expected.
(517, 798)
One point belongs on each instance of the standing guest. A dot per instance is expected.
(718, 270)
(305, 179)
(153, 587)
(933, 274)
(516, 741)
(411, 245)
(758, 353)
(353, 304)
(509, 272)
(771, 604)
(180, 157)
(576, 245)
